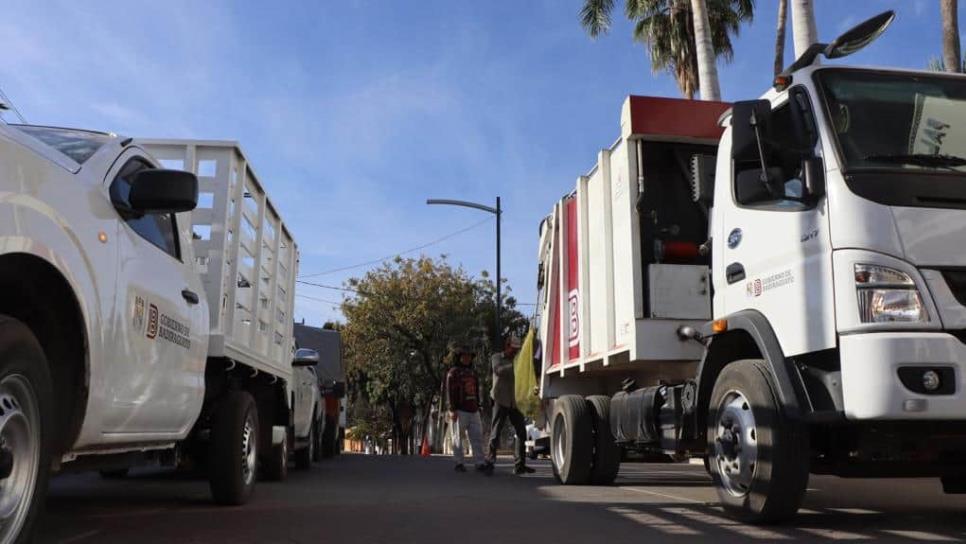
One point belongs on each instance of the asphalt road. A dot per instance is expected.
(392, 499)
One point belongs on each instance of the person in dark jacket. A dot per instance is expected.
(463, 393)
(505, 405)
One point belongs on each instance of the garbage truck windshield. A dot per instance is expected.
(889, 121)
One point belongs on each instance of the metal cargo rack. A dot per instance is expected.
(245, 254)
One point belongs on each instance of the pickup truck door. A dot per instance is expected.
(305, 381)
(156, 379)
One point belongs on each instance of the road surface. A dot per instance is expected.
(358, 498)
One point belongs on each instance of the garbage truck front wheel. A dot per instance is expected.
(758, 458)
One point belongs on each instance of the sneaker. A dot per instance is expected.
(523, 470)
(485, 468)
(459, 468)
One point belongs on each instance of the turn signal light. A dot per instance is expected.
(719, 326)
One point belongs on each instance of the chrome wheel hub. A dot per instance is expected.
(557, 446)
(735, 443)
(248, 452)
(19, 453)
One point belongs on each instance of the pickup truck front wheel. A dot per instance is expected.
(25, 429)
(317, 437)
(233, 449)
(303, 457)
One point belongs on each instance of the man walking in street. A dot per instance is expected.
(463, 392)
(505, 405)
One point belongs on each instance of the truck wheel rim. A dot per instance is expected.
(559, 426)
(248, 451)
(20, 452)
(736, 444)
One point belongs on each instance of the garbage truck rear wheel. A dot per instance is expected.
(572, 440)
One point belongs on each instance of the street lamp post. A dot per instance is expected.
(497, 211)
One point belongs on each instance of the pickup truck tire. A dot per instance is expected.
(572, 440)
(607, 454)
(317, 437)
(26, 427)
(329, 435)
(303, 457)
(275, 465)
(759, 458)
(233, 450)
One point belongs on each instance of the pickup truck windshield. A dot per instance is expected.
(897, 121)
(79, 145)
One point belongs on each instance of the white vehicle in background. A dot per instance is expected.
(137, 324)
(332, 384)
(308, 410)
(538, 441)
(775, 285)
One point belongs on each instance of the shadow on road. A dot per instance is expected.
(391, 499)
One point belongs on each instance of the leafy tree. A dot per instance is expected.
(398, 330)
(667, 28)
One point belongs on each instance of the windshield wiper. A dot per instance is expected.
(920, 159)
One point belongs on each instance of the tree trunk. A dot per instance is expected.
(707, 69)
(780, 37)
(803, 26)
(952, 58)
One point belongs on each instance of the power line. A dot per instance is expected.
(404, 252)
(318, 299)
(323, 286)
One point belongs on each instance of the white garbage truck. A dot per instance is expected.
(145, 316)
(775, 285)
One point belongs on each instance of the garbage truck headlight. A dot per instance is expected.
(887, 295)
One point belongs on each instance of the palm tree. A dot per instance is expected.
(667, 28)
(707, 64)
(803, 25)
(951, 52)
(780, 37)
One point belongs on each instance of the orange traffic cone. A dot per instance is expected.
(424, 450)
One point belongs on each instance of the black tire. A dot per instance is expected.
(779, 476)
(329, 434)
(572, 440)
(231, 472)
(275, 464)
(317, 437)
(303, 457)
(25, 377)
(115, 474)
(607, 454)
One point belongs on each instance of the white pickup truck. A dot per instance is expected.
(146, 314)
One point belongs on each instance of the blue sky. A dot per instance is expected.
(354, 112)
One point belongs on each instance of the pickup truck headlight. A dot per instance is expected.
(887, 295)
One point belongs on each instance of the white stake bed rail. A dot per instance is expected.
(245, 255)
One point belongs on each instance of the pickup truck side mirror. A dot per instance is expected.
(305, 357)
(163, 191)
